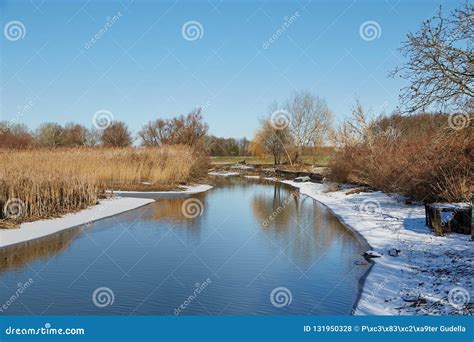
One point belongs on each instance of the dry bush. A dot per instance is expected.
(52, 182)
(419, 155)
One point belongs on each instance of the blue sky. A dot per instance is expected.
(142, 67)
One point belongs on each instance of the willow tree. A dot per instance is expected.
(273, 140)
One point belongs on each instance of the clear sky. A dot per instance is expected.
(144, 66)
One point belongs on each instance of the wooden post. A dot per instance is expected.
(472, 217)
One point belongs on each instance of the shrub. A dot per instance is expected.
(421, 155)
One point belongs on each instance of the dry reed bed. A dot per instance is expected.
(46, 183)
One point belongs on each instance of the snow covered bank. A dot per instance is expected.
(429, 275)
(128, 200)
(37, 229)
(223, 173)
(187, 190)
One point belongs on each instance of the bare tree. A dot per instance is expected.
(50, 134)
(186, 130)
(74, 135)
(14, 135)
(93, 136)
(154, 133)
(440, 66)
(310, 120)
(116, 135)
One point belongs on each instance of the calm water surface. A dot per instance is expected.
(249, 239)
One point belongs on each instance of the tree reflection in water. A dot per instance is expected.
(298, 222)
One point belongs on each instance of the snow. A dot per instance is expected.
(187, 189)
(252, 177)
(37, 229)
(242, 167)
(430, 275)
(223, 173)
(450, 205)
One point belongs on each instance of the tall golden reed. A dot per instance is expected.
(45, 183)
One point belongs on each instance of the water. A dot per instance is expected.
(226, 261)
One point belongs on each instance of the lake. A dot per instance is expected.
(245, 247)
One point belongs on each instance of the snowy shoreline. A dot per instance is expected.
(106, 208)
(186, 190)
(430, 275)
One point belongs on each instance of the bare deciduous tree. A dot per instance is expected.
(74, 135)
(440, 66)
(310, 119)
(50, 134)
(93, 136)
(116, 135)
(14, 135)
(186, 130)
